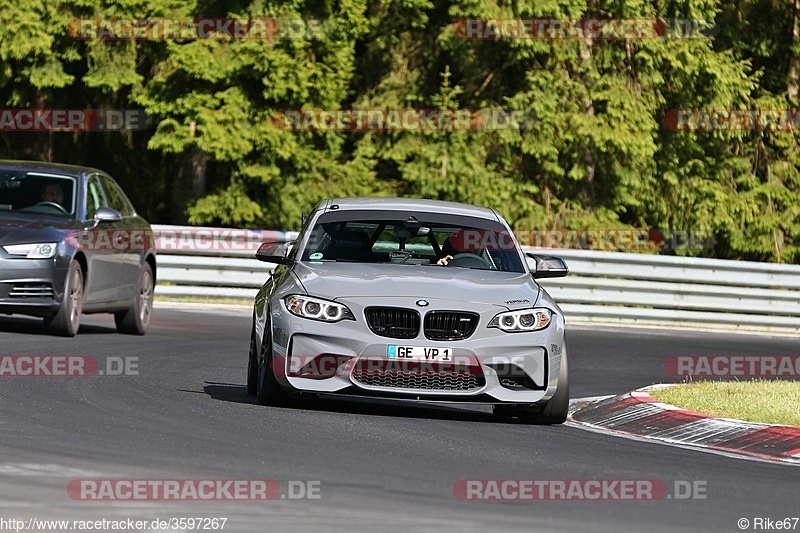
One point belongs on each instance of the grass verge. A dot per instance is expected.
(760, 400)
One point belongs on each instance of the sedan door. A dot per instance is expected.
(131, 237)
(102, 254)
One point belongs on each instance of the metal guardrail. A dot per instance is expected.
(678, 291)
(603, 287)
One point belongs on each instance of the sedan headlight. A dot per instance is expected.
(524, 320)
(317, 309)
(44, 250)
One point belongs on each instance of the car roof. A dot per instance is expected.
(41, 166)
(410, 204)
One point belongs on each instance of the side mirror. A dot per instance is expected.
(548, 266)
(274, 252)
(106, 214)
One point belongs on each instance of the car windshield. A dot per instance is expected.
(36, 192)
(412, 239)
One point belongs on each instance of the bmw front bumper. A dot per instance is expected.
(347, 357)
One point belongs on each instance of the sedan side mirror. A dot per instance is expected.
(548, 266)
(106, 214)
(103, 214)
(274, 252)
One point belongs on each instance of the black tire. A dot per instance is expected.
(252, 366)
(136, 320)
(268, 390)
(67, 321)
(556, 410)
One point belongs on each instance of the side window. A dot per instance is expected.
(304, 229)
(115, 197)
(94, 196)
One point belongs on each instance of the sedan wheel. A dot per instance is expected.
(136, 320)
(67, 320)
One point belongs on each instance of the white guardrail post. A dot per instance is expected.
(603, 287)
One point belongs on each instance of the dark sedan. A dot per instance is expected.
(71, 243)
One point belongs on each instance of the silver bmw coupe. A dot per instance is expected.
(413, 299)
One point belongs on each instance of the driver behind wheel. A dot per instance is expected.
(462, 241)
(53, 193)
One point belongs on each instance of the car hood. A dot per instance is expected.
(348, 280)
(16, 228)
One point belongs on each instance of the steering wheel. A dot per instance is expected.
(52, 204)
(469, 260)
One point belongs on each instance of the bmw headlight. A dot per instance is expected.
(44, 250)
(317, 309)
(524, 320)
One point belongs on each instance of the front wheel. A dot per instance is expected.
(67, 320)
(136, 319)
(252, 366)
(268, 391)
(556, 410)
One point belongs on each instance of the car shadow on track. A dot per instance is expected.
(34, 326)
(231, 392)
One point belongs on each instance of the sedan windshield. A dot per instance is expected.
(413, 239)
(36, 192)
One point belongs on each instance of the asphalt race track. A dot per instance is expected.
(380, 467)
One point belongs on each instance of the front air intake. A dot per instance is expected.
(393, 322)
(450, 325)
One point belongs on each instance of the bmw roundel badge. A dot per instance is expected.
(422, 303)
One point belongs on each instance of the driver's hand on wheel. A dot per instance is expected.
(443, 261)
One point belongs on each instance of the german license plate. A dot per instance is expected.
(419, 353)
